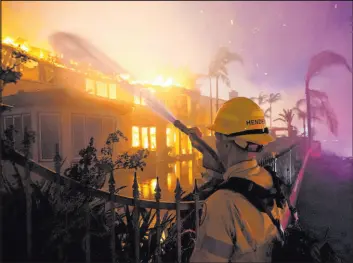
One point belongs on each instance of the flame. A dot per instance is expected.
(24, 48)
(9, 41)
(72, 62)
(161, 81)
(125, 76)
(158, 81)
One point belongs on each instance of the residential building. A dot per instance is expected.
(66, 103)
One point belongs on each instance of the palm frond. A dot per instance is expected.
(331, 118)
(280, 119)
(323, 60)
(316, 94)
(300, 103)
(273, 97)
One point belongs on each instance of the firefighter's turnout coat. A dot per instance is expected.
(233, 229)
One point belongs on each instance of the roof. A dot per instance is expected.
(66, 98)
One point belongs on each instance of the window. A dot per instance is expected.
(84, 128)
(102, 89)
(177, 169)
(169, 135)
(145, 137)
(94, 129)
(190, 173)
(138, 98)
(49, 135)
(108, 127)
(20, 123)
(189, 146)
(8, 122)
(90, 86)
(135, 136)
(17, 121)
(153, 138)
(78, 134)
(184, 143)
(112, 91)
(182, 103)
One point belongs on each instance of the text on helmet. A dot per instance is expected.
(254, 122)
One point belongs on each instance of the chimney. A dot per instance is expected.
(233, 94)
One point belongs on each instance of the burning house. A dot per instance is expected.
(66, 103)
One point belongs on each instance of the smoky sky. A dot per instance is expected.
(275, 39)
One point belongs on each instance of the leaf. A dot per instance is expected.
(323, 60)
(280, 119)
(273, 97)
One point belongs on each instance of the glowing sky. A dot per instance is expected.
(275, 39)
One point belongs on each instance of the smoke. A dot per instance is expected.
(275, 39)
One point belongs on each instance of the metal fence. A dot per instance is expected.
(287, 165)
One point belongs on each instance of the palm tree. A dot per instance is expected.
(261, 99)
(287, 117)
(317, 63)
(274, 97)
(320, 107)
(218, 70)
(302, 115)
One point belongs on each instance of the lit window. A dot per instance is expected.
(177, 169)
(112, 91)
(190, 172)
(153, 138)
(169, 137)
(137, 100)
(102, 89)
(145, 191)
(90, 86)
(144, 137)
(183, 142)
(169, 181)
(153, 185)
(189, 146)
(135, 136)
(177, 142)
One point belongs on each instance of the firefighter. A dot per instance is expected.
(234, 228)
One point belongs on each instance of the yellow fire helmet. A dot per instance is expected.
(243, 121)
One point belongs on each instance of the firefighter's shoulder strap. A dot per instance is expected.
(260, 197)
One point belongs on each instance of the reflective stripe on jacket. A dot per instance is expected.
(233, 229)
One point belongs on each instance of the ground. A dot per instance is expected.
(326, 200)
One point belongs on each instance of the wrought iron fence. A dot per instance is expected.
(287, 165)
